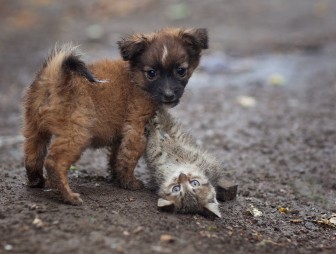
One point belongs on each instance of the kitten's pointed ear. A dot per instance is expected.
(131, 46)
(212, 209)
(196, 37)
(165, 205)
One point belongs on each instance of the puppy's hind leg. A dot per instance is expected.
(64, 151)
(112, 153)
(35, 149)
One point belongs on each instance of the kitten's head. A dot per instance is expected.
(189, 192)
(162, 62)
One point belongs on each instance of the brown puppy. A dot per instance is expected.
(67, 109)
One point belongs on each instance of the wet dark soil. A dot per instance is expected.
(263, 101)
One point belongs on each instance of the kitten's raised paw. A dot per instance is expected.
(156, 119)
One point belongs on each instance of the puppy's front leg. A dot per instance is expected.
(131, 148)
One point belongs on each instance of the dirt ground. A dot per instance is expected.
(263, 101)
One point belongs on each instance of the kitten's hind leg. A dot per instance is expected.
(155, 128)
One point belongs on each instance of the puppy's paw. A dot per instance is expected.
(49, 184)
(36, 183)
(133, 184)
(73, 199)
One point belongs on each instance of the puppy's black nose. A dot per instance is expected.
(169, 96)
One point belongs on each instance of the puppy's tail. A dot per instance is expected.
(62, 63)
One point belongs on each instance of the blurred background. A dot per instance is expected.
(262, 101)
(240, 33)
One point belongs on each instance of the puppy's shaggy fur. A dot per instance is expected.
(68, 109)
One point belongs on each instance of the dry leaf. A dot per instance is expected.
(38, 223)
(212, 228)
(326, 222)
(333, 220)
(276, 79)
(283, 209)
(254, 211)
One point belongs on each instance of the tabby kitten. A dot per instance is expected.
(184, 174)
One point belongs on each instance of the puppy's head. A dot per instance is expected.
(162, 62)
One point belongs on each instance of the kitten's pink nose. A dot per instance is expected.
(182, 178)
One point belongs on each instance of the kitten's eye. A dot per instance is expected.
(176, 189)
(181, 71)
(195, 183)
(151, 74)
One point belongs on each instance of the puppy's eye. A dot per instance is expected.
(151, 74)
(176, 189)
(195, 183)
(181, 71)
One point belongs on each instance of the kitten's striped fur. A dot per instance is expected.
(175, 159)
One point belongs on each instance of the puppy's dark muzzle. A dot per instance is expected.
(169, 97)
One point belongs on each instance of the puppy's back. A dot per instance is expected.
(68, 94)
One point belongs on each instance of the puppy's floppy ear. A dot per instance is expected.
(196, 37)
(131, 46)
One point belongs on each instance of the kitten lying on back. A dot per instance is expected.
(185, 175)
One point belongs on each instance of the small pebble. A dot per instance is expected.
(138, 229)
(246, 101)
(38, 223)
(8, 247)
(167, 238)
